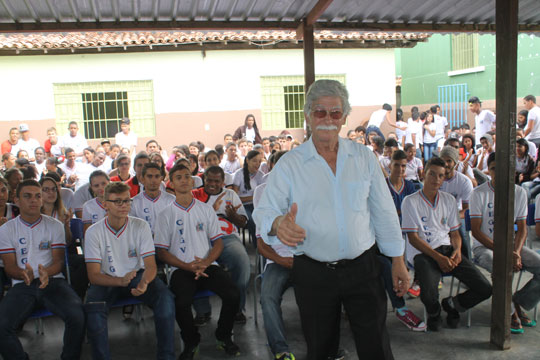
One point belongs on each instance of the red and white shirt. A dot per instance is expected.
(32, 243)
(148, 209)
(119, 252)
(187, 232)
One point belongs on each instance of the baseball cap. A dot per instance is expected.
(105, 141)
(125, 121)
(24, 127)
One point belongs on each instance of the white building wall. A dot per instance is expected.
(188, 81)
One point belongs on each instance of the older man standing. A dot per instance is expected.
(329, 202)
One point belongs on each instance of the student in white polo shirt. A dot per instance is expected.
(431, 221)
(231, 215)
(120, 260)
(482, 219)
(151, 201)
(460, 187)
(188, 239)
(94, 209)
(32, 248)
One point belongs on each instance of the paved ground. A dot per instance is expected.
(132, 340)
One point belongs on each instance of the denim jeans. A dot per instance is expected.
(428, 273)
(236, 260)
(184, 286)
(59, 298)
(386, 268)
(251, 224)
(4, 280)
(100, 299)
(465, 241)
(376, 129)
(529, 295)
(532, 188)
(428, 150)
(276, 279)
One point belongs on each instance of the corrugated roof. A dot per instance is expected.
(399, 15)
(76, 40)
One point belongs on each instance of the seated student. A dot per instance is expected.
(231, 215)
(481, 172)
(151, 201)
(7, 212)
(390, 146)
(399, 188)
(414, 170)
(462, 166)
(32, 248)
(134, 182)
(431, 221)
(231, 161)
(120, 260)
(211, 158)
(244, 182)
(482, 218)
(122, 166)
(188, 238)
(94, 209)
(81, 196)
(460, 187)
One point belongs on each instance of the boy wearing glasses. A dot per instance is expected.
(32, 248)
(188, 238)
(119, 255)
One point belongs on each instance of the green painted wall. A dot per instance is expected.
(425, 67)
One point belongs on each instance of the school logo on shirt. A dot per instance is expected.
(200, 227)
(444, 221)
(132, 253)
(44, 245)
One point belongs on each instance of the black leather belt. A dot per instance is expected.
(330, 264)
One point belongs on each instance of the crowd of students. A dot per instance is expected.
(162, 227)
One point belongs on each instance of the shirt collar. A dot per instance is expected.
(309, 151)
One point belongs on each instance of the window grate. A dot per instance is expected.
(283, 99)
(464, 51)
(99, 106)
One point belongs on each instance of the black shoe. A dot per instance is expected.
(189, 352)
(434, 323)
(240, 318)
(201, 320)
(339, 356)
(452, 318)
(228, 346)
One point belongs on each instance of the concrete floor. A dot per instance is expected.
(131, 340)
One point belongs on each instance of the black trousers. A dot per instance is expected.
(184, 286)
(322, 289)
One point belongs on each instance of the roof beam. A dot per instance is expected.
(248, 25)
(312, 17)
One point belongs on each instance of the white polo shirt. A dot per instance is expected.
(483, 122)
(230, 198)
(78, 142)
(93, 211)
(146, 208)
(126, 141)
(30, 145)
(230, 167)
(440, 124)
(432, 222)
(415, 127)
(255, 180)
(377, 118)
(81, 196)
(534, 114)
(483, 207)
(187, 232)
(460, 187)
(411, 170)
(119, 252)
(32, 243)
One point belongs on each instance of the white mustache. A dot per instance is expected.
(326, 127)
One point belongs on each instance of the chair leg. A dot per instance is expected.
(255, 300)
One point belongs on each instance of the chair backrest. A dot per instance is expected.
(467, 220)
(76, 226)
(530, 215)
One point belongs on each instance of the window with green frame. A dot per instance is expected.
(283, 100)
(99, 107)
(464, 51)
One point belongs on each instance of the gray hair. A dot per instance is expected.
(326, 87)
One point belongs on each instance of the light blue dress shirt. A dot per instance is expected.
(343, 214)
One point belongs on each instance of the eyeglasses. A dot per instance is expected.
(123, 164)
(49, 189)
(322, 113)
(120, 202)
